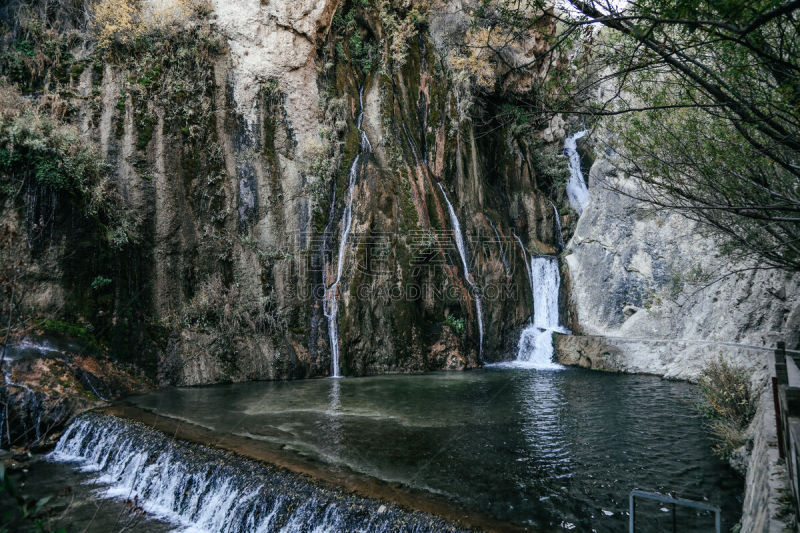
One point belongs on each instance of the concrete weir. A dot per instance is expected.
(224, 482)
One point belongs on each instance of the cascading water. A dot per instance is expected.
(577, 192)
(330, 302)
(462, 252)
(500, 244)
(535, 347)
(558, 227)
(527, 263)
(201, 489)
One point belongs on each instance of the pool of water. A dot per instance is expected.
(549, 449)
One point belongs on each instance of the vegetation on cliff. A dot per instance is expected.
(705, 97)
(43, 157)
(729, 403)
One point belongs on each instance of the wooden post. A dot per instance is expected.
(778, 423)
(780, 364)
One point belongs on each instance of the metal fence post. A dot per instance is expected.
(631, 512)
(778, 422)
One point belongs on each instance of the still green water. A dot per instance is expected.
(549, 449)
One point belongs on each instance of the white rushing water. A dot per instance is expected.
(201, 490)
(558, 227)
(535, 346)
(577, 192)
(527, 264)
(462, 252)
(331, 302)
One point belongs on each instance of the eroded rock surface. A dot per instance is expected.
(640, 279)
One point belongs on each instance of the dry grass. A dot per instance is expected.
(124, 21)
(729, 403)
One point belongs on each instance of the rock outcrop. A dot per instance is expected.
(230, 134)
(650, 294)
(47, 381)
(652, 288)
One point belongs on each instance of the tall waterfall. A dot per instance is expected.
(577, 192)
(201, 489)
(462, 252)
(527, 263)
(535, 347)
(330, 305)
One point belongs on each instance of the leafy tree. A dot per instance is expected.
(709, 95)
(706, 96)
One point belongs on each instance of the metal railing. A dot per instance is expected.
(786, 391)
(675, 502)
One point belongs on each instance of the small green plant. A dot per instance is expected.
(729, 403)
(99, 282)
(456, 323)
(73, 331)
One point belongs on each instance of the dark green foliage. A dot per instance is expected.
(71, 331)
(38, 152)
(357, 51)
(361, 54)
(456, 323)
(19, 511)
(38, 54)
(99, 282)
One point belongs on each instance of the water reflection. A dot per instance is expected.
(546, 449)
(543, 407)
(333, 427)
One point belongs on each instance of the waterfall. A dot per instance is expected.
(462, 252)
(201, 489)
(577, 192)
(330, 303)
(535, 347)
(527, 264)
(558, 227)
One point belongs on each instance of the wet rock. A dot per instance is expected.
(43, 393)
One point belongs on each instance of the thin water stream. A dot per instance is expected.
(462, 252)
(331, 301)
(577, 191)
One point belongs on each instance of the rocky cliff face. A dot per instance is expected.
(639, 277)
(231, 135)
(648, 294)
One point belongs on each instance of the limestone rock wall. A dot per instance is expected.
(231, 138)
(639, 277)
(648, 294)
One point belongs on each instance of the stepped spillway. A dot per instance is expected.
(205, 489)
